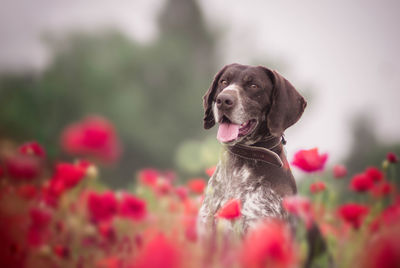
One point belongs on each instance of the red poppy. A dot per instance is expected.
(69, 174)
(388, 217)
(339, 171)
(210, 171)
(317, 187)
(159, 252)
(361, 183)
(310, 160)
(133, 207)
(181, 192)
(382, 189)
(102, 206)
(197, 185)
(149, 176)
(93, 136)
(268, 245)
(353, 214)
(32, 148)
(230, 210)
(23, 166)
(375, 174)
(38, 229)
(27, 191)
(392, 157)
(300, 207)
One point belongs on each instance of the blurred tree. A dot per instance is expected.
(151, 93)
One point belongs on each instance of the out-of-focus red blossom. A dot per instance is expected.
(1, 172)
(230, 210)
(382, 189)
(196, 185)
(374, 173)
(383, 250)
(70, 174)
(353, 214)
(182, 192)
(23, 166)
(102, 206)
(61, 251)
(133, 207)
(107, 231)
(27, 191)
(339, 171)
(388, 217)
(317, 187)
(93, 136)
(392, 157)
(163, 186)
(269, 245)
(190, 211)
(109, 262)
(149, 176)
(159, 252)
(32, 148)
(361, 183)
(300, 207)
(38, 229)
(310, 160)
(210, 171)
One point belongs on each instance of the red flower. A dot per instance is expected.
(361, 183)
(38, 228)
(149, 176)
(392, 157)
(353, 213)
(197, 185)
(230, 210)
(300, 207)
(69, 174)
(317, 187)
(210, 171)
(310, 160)
(23, 167)
(61, 251)
(339, 171)
(159, 252)
(93, 136)
(388, 217)
(27, 191)
(32, 148)
(133, 207)
(382, 189)
(375, 174)
(181, 192)
(102, 207)
(268, 245)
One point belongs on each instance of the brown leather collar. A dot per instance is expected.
(259, 151)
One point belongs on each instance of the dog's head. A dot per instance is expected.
(250, 102)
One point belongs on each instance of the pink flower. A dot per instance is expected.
(210, 171)
(339, 171)
(133, 207)
(310, 160)
(268, 245)
(159, 252)
(300, 207)
(32, 148)
(353, 214)
(149, 176)
(181, 192)
(197, 185)
(392, 157)
(230, 210)
(102, 206)
(382, 189)
(317, 187)
(69, 174)
(93, 136)
(361, 183)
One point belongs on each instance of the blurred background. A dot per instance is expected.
(145, 66)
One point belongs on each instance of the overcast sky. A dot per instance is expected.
(346, 52)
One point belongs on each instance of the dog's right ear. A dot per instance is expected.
(208, 98)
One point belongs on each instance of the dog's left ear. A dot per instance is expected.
(287, 104)
(208, 98)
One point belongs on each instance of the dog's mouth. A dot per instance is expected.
(228, 131)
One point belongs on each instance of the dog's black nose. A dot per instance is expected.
(225, 101)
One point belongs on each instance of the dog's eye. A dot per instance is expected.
(253, 86)
(224, 83)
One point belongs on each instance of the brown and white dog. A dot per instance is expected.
(253, 106)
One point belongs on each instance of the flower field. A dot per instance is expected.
(59, 214)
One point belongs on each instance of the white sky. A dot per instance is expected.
(345, 52)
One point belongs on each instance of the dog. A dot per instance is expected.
(253, 106)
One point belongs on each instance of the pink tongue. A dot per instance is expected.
(227, 132)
